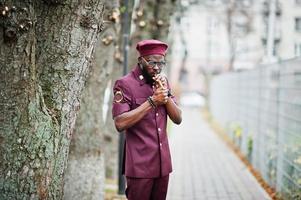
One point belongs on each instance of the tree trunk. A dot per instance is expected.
(85, 175)
(46, 49)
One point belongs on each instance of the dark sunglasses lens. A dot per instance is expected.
(162, 64)
(153, 64)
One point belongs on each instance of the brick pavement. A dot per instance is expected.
(204, 167)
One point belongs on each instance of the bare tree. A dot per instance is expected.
(92, 138)
(238, 24)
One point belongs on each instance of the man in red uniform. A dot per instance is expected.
(142, 102)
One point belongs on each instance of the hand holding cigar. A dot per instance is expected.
(161, 90)
(160, 80)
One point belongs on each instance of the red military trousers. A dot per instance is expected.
(146, 188)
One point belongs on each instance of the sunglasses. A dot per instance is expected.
(153, 64)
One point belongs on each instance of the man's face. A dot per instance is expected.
(152, 64)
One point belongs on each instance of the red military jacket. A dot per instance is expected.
(147, 153)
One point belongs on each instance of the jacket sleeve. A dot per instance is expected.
(121, 99)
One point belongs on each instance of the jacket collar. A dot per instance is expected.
(138, 75)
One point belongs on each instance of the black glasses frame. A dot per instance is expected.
(153, 64)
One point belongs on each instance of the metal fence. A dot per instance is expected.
(261, 111)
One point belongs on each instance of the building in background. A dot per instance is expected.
(215, 36)
(251, 21)
(224, 35)
(290, 29)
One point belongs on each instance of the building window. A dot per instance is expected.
(298, 49)
(298, 24)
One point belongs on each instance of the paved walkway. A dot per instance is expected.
(204, 168)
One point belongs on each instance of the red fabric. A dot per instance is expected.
(147, 189)
(147, 153)
(151, 47)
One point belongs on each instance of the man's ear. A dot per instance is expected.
(142, 61)
(139, 63)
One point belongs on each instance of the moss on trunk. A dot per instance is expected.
(43, 69)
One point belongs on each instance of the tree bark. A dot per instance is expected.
(45, 54)
(93, 138)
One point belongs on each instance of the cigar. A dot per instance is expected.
(159, 82)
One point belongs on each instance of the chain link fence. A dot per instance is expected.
(260, 110)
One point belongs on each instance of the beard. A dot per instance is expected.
(148, 78)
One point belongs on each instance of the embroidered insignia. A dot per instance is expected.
(118, 97)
